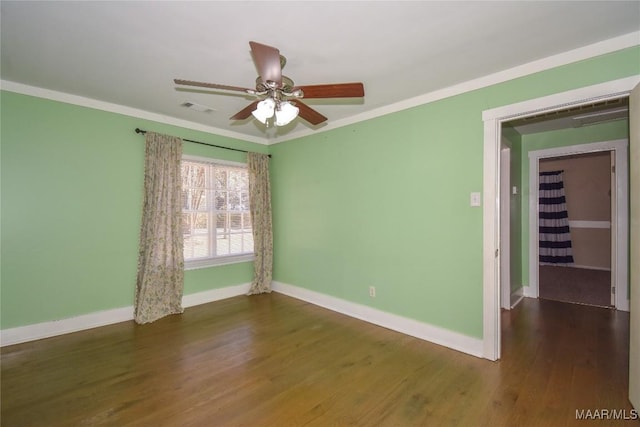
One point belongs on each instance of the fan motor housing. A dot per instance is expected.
(286, 86)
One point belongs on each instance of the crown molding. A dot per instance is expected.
(564, 58)
(568, 57)
(82, 101)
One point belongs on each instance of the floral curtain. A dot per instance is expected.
(260, 206)
(161, 261)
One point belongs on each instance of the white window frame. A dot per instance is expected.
(219, 259)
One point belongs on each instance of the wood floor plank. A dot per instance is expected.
(271, 360)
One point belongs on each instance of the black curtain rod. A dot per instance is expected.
(138, 130)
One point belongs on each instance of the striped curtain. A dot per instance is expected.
(553, 224)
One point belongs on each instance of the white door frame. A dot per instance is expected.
(619, 223)
(505, 225)
(493, 120)
(634, 248)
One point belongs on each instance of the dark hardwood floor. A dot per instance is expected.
(272, 360)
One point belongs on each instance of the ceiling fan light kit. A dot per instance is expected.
(286, 113)
(273, 90)
(264, 110)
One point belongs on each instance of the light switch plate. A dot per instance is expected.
(475, 199)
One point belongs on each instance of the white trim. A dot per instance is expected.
(122, 109)
(575, 55)
(529, 292)
(505, 224)
(620, 224)
(198, 264)
(214, 161)
(424, 331)
(516, 297)
(491, 241)
(493, 119)
(613, 89)
(634, 248)
(64, 326)
(83, 322)
(589, 224)
(587, 267)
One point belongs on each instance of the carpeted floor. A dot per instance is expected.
(575, 285)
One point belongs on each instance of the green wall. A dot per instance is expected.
(385, 202)
(72, 180)
(553, 139)
(381, 203)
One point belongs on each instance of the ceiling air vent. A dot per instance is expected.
(197, 107)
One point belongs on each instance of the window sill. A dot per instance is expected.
(213, 262)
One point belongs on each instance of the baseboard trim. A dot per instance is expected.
(590, 267)
(529, 292)
(516, 297)
(53, 328)
(586, 267)
(424, 331)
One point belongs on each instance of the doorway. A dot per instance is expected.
(576, 266)
(594, 223)
(619, 214)
(493, 120)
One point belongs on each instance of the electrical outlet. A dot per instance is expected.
(372, 291)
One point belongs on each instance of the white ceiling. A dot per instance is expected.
(128, 53)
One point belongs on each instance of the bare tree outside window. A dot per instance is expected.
(216, 217)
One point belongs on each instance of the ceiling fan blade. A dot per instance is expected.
(336, 90)
(268, 62)
(211, 85)
(245, 112)
(308, 113)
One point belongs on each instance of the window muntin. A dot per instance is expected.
(215, 213)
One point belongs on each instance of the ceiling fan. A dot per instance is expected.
(279, 100)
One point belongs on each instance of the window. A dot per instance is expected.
(216, 221)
